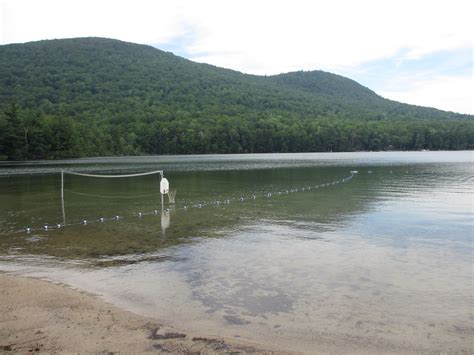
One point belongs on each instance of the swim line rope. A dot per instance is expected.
(113, 176)
(186, 207)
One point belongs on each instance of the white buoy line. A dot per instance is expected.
(185, 207)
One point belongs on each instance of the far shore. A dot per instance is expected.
(6, 161)
(39, 316)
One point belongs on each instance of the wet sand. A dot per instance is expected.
(37, 315)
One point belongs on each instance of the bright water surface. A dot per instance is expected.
(379, 262)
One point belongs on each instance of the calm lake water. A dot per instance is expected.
(380, 262)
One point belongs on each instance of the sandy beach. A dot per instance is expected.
(37, 315)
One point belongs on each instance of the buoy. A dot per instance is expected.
(28, 230)
(164, 186)
(45, 228)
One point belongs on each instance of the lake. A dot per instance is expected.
(290, 250)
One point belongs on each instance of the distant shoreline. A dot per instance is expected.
(6, 161)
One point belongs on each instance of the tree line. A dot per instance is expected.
(26, 134)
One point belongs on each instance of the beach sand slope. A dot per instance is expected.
(36, 315)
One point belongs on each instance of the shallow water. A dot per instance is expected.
(380, 261)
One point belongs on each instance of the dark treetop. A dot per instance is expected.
(95, 96)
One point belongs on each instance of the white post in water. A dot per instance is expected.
(62, 197)
(161, 193)
(164, 189)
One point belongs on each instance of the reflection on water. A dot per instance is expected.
(165, 220)
(381, 262)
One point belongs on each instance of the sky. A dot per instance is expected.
(419, 52)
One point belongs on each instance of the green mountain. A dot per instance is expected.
(95, 96)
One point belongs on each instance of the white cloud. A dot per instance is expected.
(135, 21)
(276, 36)
(450, 93)
(259, 37)
(262, 36)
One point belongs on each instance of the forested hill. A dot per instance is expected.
(94, 96)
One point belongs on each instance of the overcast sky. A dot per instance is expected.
(418, 52)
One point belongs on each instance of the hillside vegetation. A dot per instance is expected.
(94, 96)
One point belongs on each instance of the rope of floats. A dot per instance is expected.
(185, 207)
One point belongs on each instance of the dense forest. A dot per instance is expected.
(96, 97)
